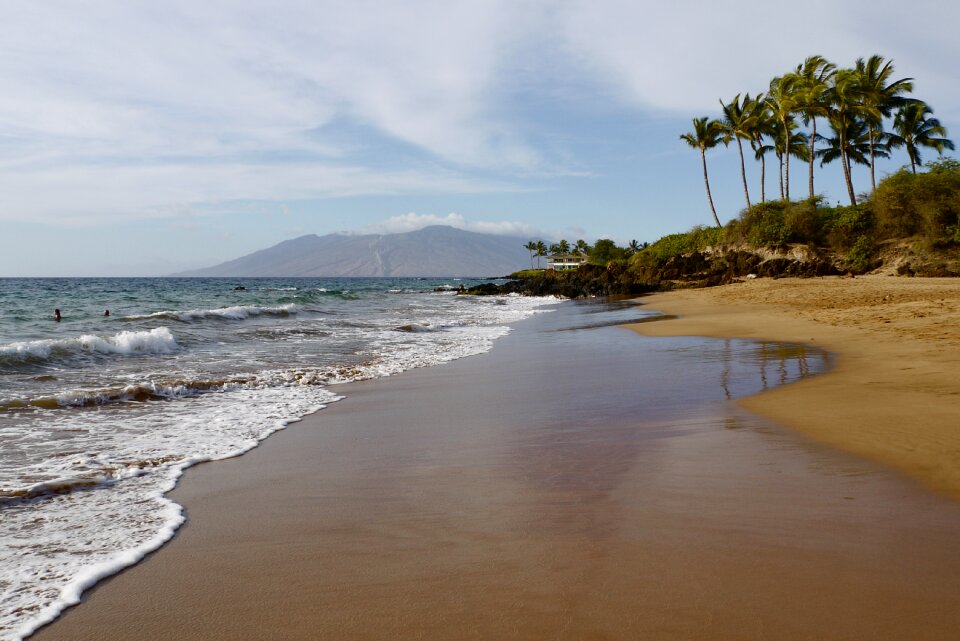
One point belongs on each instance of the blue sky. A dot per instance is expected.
(143, 138)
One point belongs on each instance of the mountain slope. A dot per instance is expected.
(431, 251)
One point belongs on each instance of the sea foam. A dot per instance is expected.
(155, 341)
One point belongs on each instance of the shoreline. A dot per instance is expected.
(893, 395)
(457, 501)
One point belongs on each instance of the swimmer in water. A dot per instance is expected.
(56, 315)
(106, 312)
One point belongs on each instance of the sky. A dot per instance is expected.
(144, 138)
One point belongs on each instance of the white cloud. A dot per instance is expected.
(684, 55)
(161, 191)
(413, 221)
(119, 109)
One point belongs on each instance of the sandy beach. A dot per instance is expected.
(594, 484)
(894, 395)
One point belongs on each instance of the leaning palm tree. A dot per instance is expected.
(736, 125)
(783, 99)
(881, 96)
(532, 248)
(814, 75)
(913, 129)
(705, 135)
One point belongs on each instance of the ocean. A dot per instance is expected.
(100, 414)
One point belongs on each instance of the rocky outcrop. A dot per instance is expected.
(699, 269)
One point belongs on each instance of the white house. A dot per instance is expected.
(563, 262)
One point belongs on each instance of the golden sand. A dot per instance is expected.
(895, 393)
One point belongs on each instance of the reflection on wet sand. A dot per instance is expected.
(789, 362)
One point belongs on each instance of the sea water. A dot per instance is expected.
(100, 414)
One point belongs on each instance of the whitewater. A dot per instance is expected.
(101, 414)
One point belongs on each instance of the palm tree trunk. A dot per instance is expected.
(706, 181)
(763, 177)
(873, 176)
(786, 152)
(743, 173)
(846, 170)
(780, 157)
(813, 138)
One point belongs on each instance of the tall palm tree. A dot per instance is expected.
(761, 123)
(736, 125)
(582, 247)
(814, 75)
(532, 248)
(847, 107)
(783, 99)
(541, 251)
(881, 96)
(913, 129)
(798, 148)
(705, 135)
(564, 247)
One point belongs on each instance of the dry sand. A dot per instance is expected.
(528, 494)
(895, 393)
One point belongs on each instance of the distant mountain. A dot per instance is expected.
(432, 251)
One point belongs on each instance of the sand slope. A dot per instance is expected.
(895, 393)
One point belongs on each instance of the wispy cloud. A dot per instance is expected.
(136, 110)
(413, 221)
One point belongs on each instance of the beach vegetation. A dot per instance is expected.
(857, 103)
(925, 204)
(606, 251)
(913, 128)
(706, 134)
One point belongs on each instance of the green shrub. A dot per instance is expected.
(860, 256)
(762, 225)
(697, 239)
(845, 226)
(925, 204)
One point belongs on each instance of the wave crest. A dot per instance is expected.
(237, 312)
(155, 341)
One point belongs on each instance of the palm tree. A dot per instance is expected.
(783, 99)
(736, 125)
(705, 135)
(847, 107)
(541, 251)
(854, 146)
(913, 129)
(532, 248)
(761, 123)
(880, 96)
(582, 247)
(633, 247)
(798, 149)
(564, 247)
(814, 75)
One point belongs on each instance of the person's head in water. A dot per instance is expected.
(56, 315)
(106, 312)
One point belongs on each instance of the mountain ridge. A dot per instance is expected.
(434, 251)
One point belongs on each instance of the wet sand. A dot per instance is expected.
(534, 492)
(894, 395)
